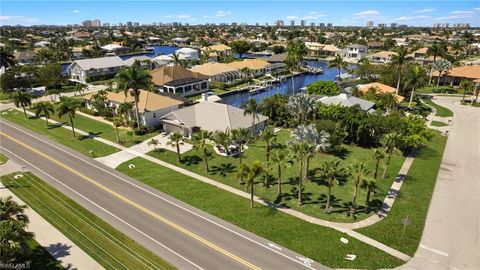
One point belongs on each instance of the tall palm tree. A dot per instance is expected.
(389, 100)
(390, 141)
(252, 108)
(6, 58)
(302, 107)
(269, 137)
(44, 108)
(436, 50)
(370, 185)
(11, 210)
(317, 141)
(68, 106)
(468, 38)
(249, 173)
(441, 66)
(200, 141)
(153, 142)
(399, 59)
(279, 157)
(357, 172)
(125, 109)
(174, 140)
(332, 172)
(466, 86)
(338, 63)
(176, 59)
(241, 137)
(22, 99)
(378, 156)
(130, 80)
(416, 79)
(457, 48)
(299, 151)
(223, 139)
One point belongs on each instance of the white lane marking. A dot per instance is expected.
(274, 246)
(305, 261)
(439, 252)
(165, 199)
(105, 210)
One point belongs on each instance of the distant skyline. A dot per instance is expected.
(343, 13)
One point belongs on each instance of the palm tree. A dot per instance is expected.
(378, 156)
(223, 139)
(436, 50)
(390, 141)
(131, 80)
(240, 136)
(441, 66)
(279, 157)
(68, 106)
(153, 142)
(269, 137)
(466, 85)
(389, 100)
(331, 171)
(126, 109)
(468, 38)
(6, 58)
(252, 108)
(200, 141)
(11, 210)
(299, 151)
(357, 171)
(249, 173)
(44, 108)
(399, 60)
(174, 140)
(370, 184)
(317, 141)
(457, 48)
(15, 241)
(416, 79)
(176, 59)
(302, 107)
(22, 99)
(338, 63)
(248, 72)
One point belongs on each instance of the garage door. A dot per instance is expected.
(169, 128)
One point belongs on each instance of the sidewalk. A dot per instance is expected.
(56, 243)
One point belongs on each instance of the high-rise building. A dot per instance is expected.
(370, 24)
(136, 24)
(129, 24)
(322, 25)
(312, 24)
(120, 24)
(91, 23)
(279, 23)
(292, 23)
(393, 25)
(329, 24)
(382, 25)
(303, 23)
(106, 24)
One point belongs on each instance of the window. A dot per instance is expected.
(154, 115)
(188, 88)
(204, 85)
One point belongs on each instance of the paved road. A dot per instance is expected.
(184, 236)
(451, 239)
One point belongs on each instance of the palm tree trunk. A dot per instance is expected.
(279, 171)
(293, 84)
(137, 114)
(240, 163)
(367, 200)
(377, 164)
(71, 124)
(398, 81)
(438, 80)
(206, 160)
(354, 201)
(46, 120)
(253, 124)
(386, 165)
(327, 208)
(251, 194)
(307, 167)
(464, 93)
(267, 159)
(411, 97)
(179, 157)
(24, 111)
(300, 176)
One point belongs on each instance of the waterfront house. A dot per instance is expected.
(380, 88)
(347, 100)
(115, 49)
(187, 53)
(95, 68)
(330, 50)
(25, 57)
(151, 106)
(420, 56)
(355, 52)
(217, 52)
(178, 41)
(457, 74)
(218, 72)
(314, 49)
(188, 120)
(258, 66)
(179, 80)
(277, 58)
(381, 57)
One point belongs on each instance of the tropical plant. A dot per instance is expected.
(390, 141)
(11, 210)
(241, 137)
(332, 172)
(68, 106)
(44, 108)
(441, 66)
(300, 151)
(249, 173)
(22, 99)
(6, 58)
(378, 156)
(338, 63)
(126, 109)
(280, 158)
(130, 80)
(269, 137)
(370, 185)
(357, 171)
(153, 142)
(303, 107)
(326, 88)
(317, 141)
(223, 139)
(399, 59)
(436, 50)
(174, 140)
(240, 47)
(466, 86)
(252, 108)
(416, 79)
(200, 141)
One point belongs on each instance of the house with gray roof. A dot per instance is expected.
(210, 116)
(348, 101)
(95, 68)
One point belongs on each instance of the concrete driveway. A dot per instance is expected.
(451, 238)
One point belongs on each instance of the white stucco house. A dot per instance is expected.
(187, 53)
(95, 68)
(355, 52)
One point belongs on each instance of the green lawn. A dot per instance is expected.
(319, 243)
(441, 111)
(41, 259)
(413, 201)
(109, 247)
(3, 159)
(223, 169)
(438, 124)
(104, 130)
(61, 135)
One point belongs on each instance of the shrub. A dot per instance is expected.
(327, 88)
(141, 131)
(89, 111)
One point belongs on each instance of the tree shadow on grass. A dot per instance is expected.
(190, 160)
(41, 259)
(340, 152)
(222, 169)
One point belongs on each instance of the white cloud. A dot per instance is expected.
(371, 13)
(222, 13)
(462, 12)
(208, 16)
(76, 11)
(477, 9)
(13, 20)
(313, 15)
(422, 11)
(409, 18)
(292, 17)
(181, 16)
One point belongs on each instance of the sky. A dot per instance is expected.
(346, 13)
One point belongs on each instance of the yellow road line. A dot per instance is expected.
(136, 205)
